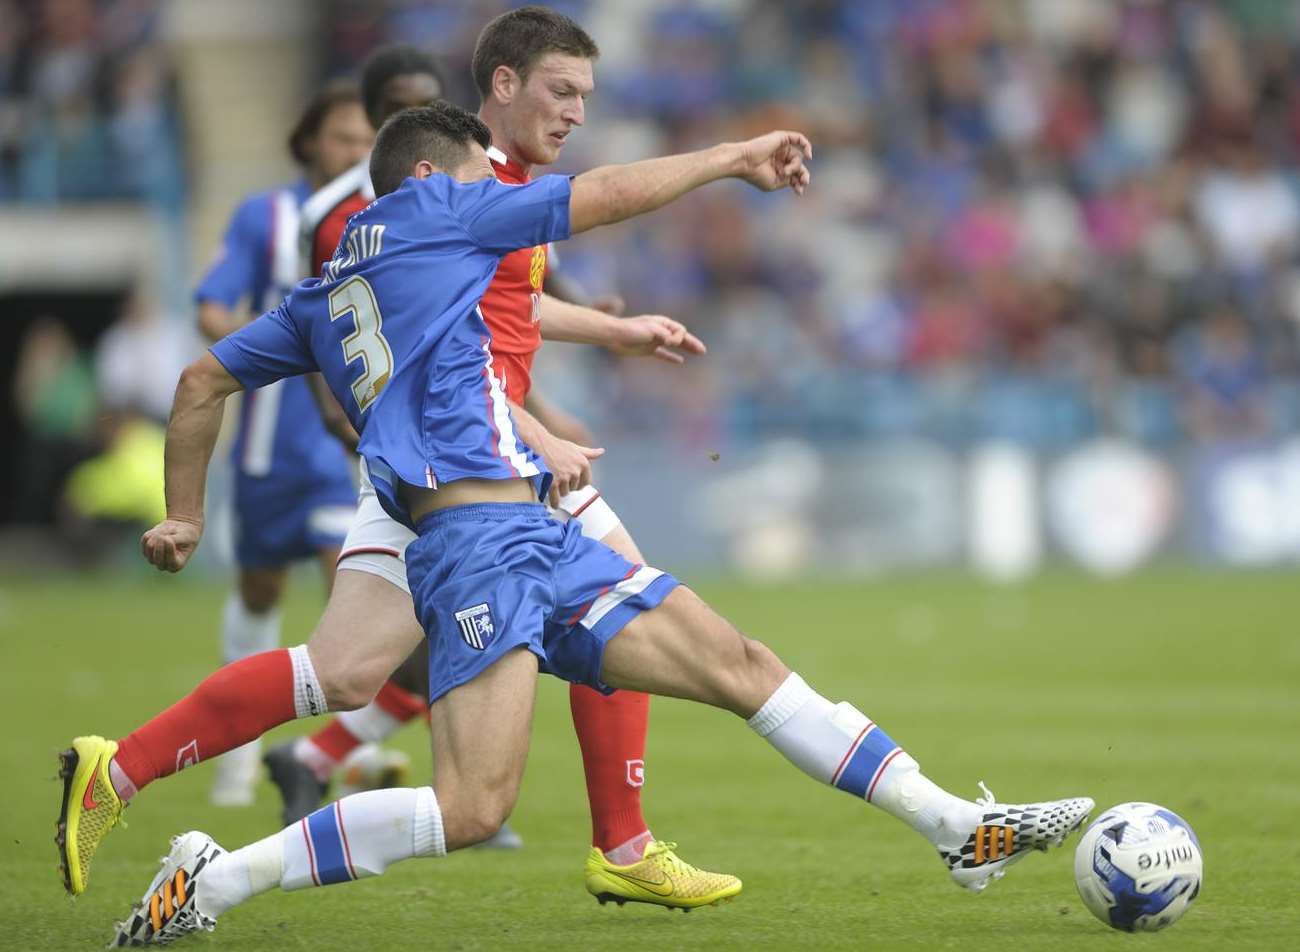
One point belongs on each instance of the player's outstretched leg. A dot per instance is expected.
(234, 705)
(683, 648)
(480, 743)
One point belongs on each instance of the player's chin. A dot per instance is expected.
(551, 148)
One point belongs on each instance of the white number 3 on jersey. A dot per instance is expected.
(355, 296)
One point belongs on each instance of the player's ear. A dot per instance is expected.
(505, 84)
(423, 169)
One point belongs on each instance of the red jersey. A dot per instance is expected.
(511, 305)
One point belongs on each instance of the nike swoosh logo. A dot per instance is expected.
(663, 887)
(88, 801)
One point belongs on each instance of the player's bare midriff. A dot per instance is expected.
(465, 492)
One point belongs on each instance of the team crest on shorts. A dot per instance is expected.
(476, 625)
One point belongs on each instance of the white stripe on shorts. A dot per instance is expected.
(633, 585)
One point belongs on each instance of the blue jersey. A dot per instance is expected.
(394, 325)
(280, 437)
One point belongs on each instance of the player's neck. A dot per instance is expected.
(502, 140)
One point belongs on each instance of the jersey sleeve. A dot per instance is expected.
(503, 218)
(234, 272)
(266, 350)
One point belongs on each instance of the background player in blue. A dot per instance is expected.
(293, 488)
(395, 328)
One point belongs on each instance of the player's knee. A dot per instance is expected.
(753, 679)
(483, 816)
(349, 690)
(346, 684)
(760, 660)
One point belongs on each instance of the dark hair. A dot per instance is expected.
(439, 133)
(341, 92)
(389, 62)
(519, 38)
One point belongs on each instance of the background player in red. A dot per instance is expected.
(533, 71)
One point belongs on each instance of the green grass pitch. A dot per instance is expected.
(1177, 686)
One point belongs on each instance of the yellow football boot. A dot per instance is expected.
(91, 807)
(661, 878)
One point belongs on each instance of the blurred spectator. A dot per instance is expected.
(54, 394)
(87, 108)
(140, 358)
(1224, 375)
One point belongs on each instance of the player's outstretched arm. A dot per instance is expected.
(191, 434)
(643, 335)
(612, 193)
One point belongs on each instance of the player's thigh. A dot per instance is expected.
(479, 733)
(367, 630)
(262, 587)
(683, 648)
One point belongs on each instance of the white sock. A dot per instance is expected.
(370, 724)
(244, 633)
(839, 745)
(352, 838)
(308, 698)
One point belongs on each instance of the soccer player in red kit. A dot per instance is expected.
(531, 122)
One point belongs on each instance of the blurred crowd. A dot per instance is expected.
(88, 107)
(1038, 219)
(90, 423)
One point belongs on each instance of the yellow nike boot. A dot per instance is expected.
(661, 878)
(91, 807)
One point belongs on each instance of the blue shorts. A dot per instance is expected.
(277, 523)
(489, 578)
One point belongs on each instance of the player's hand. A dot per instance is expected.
(653, 335)
(776, 160)
(610, 304)
(169, 545)
(570, 465)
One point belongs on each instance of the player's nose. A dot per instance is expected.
(576, 113)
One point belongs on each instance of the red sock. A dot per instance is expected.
(611, 732)
(335, 740)
(237, 704)
(400, 703)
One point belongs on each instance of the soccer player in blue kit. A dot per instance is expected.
(394, 326)
(294, 492)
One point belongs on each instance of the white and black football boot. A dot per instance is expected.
(1003, 833)
(167, 912)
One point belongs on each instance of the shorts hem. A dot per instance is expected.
(616, 621)
(450, 683)
(373, 561)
